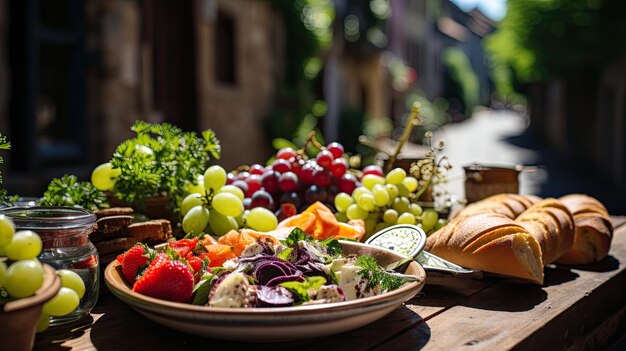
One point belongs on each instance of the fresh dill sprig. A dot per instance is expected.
(376, 276)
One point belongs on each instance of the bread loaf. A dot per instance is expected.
(594, 230)
(490, 242)
(552, 224)
(509, 205)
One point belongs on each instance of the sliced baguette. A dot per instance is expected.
(489, 242)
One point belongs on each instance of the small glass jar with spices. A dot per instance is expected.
(64, 232)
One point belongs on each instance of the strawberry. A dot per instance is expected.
(166, 279)
(133, 260)
(198, 265)
(184, 246)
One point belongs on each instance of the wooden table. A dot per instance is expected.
(576, 308)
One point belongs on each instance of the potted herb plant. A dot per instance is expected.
(152, 171)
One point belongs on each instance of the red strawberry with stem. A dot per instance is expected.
(166, 278)
(199, 266)
(133, 261)
(184, 246)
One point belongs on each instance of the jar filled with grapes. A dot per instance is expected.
(64, 233)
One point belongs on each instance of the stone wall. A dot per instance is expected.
(236, 112)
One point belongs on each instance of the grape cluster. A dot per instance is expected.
(215, 208)
(21, 273)
(384, 200)
(296, 179)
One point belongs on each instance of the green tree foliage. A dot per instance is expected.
(541, 39)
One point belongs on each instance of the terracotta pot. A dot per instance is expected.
(482, 181)
(19, 318)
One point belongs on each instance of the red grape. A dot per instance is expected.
(315, 193)
(281, 165)
(257, 169)
(254, 184)
(373, 169)
(230, 178)
(290, 197)
(262, 198)
(288, 182)
(338, 167)
(321, 177)
(247, 203)
(269, 181)
(324, 158)
(241, 185)
(336, 149)
(306, 173)
(286, 153)
(347, 183)
(242, 175)
(296, 165)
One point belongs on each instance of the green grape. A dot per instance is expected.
(410, 183)
(415, 209)
(406, 218)
(381, 196)
(403, 191)
(64, 302)
(227, 204)
(103, 177)
(261, 219)
(390, 216)
(72, 280)
(233, 190)
(221, 224)
(341, 217)
(360, 191)
(197, 187)
(3, 273)
(196, 219)
(214, 178)
(369, 180)
(441, 222)
(7, 229)
(401, 204)
(395, 176)
(44, 322)
(370, 224)
(429, 219)
(25, 245)
(380, 226)
(393, 192)
(23, 278)
(356, 212)
(342, 201)
(241, 222)
(366, 202)
(190, 201)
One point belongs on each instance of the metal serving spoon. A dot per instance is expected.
(410, 240)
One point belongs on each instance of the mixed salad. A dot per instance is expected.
(296, 271)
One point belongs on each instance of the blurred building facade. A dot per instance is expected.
(75, 75)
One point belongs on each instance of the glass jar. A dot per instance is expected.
(64, 232)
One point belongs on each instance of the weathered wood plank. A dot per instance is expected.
(567, 312)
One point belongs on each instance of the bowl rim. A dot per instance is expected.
(117, 285)
(49, 288)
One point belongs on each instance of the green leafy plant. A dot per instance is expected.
(69, 191)
(377, 276)
(161, 160)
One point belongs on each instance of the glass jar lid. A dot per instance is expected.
(49, 218)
